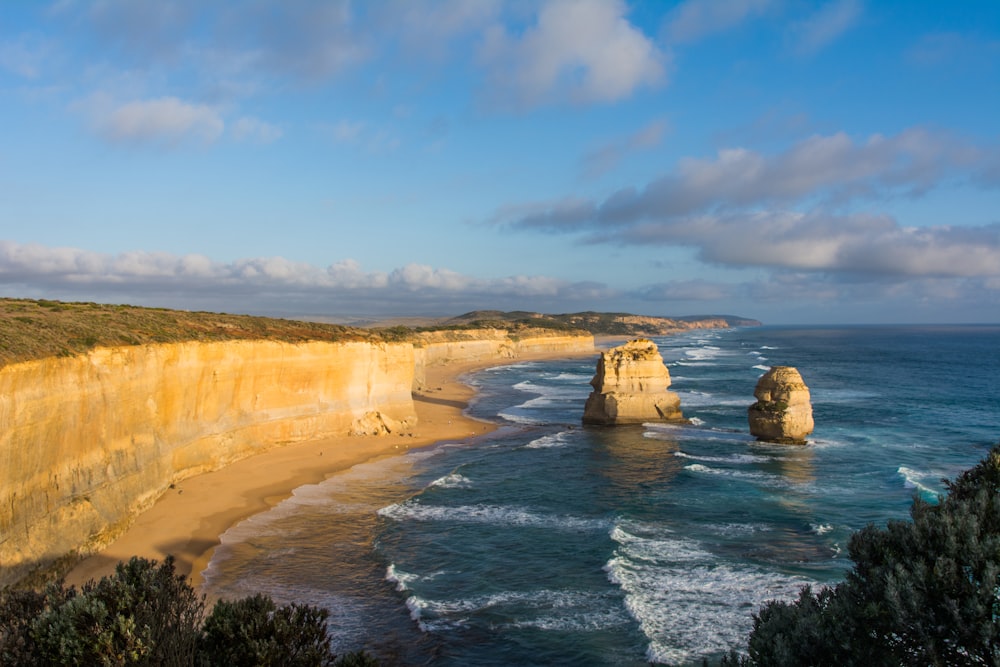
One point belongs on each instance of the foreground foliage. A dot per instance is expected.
(146, 614)
(922, 592)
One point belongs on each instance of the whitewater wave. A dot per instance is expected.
(820, 528)
(536, 410)
(705, 353)
(561, 439)
(764, 478)
(688, 602)
(570, 377)
(545, 609)
(404, 580)
(452, 481)
(914, 479)
(737, 529)
(677, 432)
(500, 515)
(732, 458)
(701, 399)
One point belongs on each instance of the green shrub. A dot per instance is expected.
(254, 631)
(145, 614)
(922, 592)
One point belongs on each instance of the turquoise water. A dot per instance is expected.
(550, 543)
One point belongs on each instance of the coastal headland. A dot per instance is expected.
(128, 431)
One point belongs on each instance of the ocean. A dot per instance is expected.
(549, 543)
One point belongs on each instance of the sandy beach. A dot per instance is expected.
(187, 520)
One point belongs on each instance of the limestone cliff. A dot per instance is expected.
(783, 411)
(435, 348)
(88, 442)
(630, 387)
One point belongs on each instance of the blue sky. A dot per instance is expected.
(793, 161)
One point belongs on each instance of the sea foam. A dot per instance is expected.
(544, 609)
(561, 439)
(412, 510)
(452, 481)
(913, 479)
(688, 602)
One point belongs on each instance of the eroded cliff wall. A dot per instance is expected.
(435, 348)
(88, 442)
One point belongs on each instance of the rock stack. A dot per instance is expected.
(630, 387)
(783, 411)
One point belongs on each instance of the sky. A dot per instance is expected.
(792, 161)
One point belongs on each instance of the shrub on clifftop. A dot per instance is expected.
(146, 614)
(922, 592)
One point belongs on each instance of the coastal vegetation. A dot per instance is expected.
(145, 614)
(605, 324)
(921, 592)
(32, 329)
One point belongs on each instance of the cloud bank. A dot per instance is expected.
(272, 284)
(795, 209)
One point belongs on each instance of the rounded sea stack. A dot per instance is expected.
(783, 411)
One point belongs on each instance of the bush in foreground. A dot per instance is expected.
(922, 592)
(146, 614)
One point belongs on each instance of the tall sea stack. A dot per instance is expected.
(783, 411)
(630, 387)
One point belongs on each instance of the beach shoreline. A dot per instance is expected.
(188, 520)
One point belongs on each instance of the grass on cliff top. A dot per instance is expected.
(37, 329)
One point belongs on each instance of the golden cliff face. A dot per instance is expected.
(436, 348)
(88, 442)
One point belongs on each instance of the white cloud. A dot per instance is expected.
(826, 25)
(832, 168)
(163, 121)
(746, 209)
(695, 19)
(248, 128)
(578, 50)
(268, 284)
(859, 244)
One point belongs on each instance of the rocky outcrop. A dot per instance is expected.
(783, 411)
(88, 442)
(630, 387)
